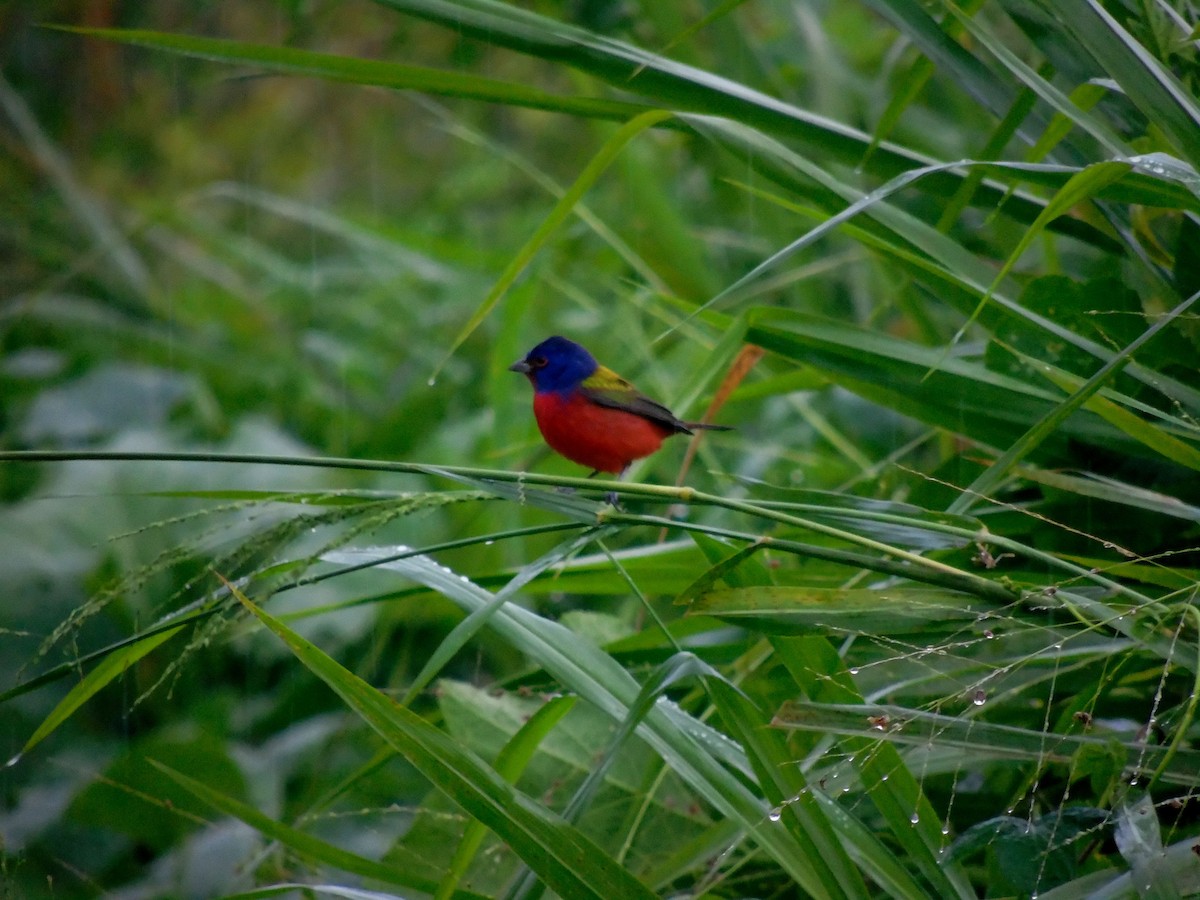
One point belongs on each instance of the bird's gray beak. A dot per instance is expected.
(521, 366)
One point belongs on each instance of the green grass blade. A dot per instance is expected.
(790, 610)
(511, 762)
(110, 667)
(1145, 80)
(562, 209)
(783, 784)
(567, 860)
(475, 621)
(821, 674)
(1054, 421)
(355, 70)
(705, 758)
(406, 871)
(997, 741)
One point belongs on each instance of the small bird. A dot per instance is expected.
(590, 414)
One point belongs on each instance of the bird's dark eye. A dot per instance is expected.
(537, 362)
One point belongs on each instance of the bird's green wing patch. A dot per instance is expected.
(607, 388)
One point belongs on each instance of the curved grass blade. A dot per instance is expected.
(511, 762)
(354, 70)
(408, 871)
(704, 757)
(820, 672)
(569, 862)
(913, 726)
(465, 630)
(1145, 80)
(110, 667)
(999, 470)
(588, 177)
(782, 783)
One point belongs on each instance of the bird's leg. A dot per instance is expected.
(611, 497)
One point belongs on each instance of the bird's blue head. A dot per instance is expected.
(556, 364)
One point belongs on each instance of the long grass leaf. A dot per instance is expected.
(569, 862)
(110, 667)
(702, 756)
(405, 870)
(562, 209)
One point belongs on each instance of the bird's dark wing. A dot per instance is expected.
(606, 388)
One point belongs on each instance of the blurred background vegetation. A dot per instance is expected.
(950, 552)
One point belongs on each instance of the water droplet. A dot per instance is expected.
(432, 381)
(945, 829)
(488, 543)
(914, 818)
(854, 671)
(989, 634)
(776, 814)
(980, 697)
(12, 762)
(884, 777)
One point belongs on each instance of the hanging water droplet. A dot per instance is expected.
(946, 829)
(776, 814)
(989, 634)
(488, 543)
(12, 762)
(884, 777)
(980, 697)
(854, 671)
(432, 381)
(914, 818)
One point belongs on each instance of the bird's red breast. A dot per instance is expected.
(592, 435)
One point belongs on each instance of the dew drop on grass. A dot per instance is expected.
(12, 762)
(915, 818)
(980, 698)
(854, 671)
(776, 814)
(432, 381)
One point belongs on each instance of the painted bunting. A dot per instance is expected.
(589, 413)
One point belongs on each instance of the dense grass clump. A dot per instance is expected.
(298, 602)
